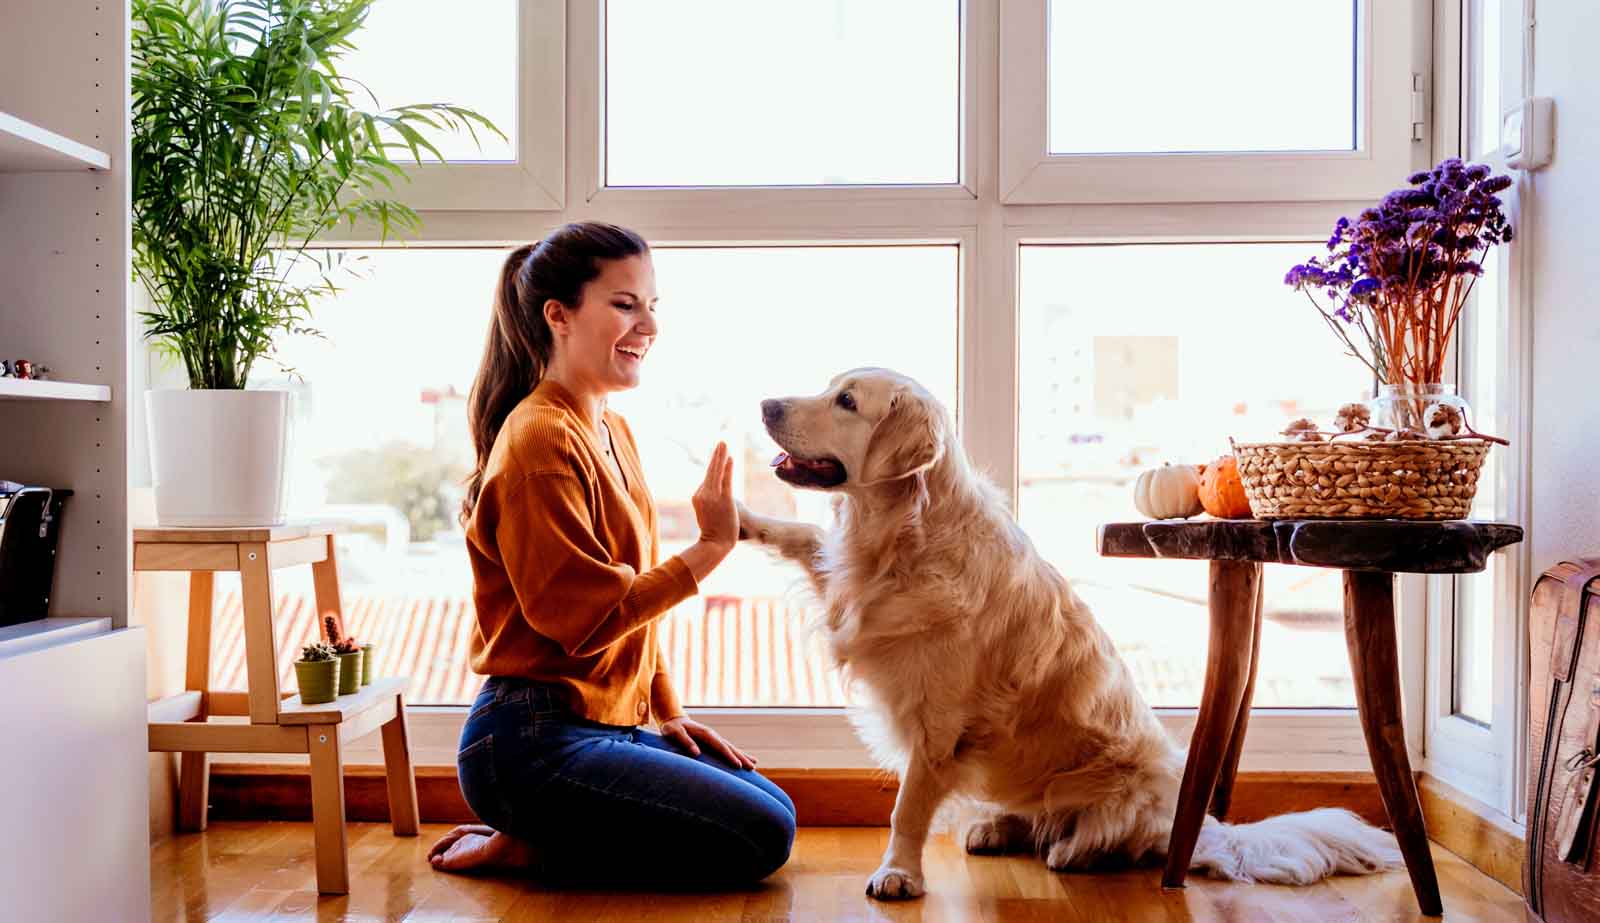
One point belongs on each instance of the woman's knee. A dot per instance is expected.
(778, 794)
(770, 832)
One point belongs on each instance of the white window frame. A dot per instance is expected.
(1488, 762)
(974, 214)
(1390, 73)
(535, 181)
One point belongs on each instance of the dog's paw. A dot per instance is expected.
(892, 884)
(748, 530)
(987, 838)
(1064, 855)
(997, 835)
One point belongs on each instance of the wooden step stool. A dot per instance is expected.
(277, 725)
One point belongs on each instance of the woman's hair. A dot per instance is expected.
(520, 342)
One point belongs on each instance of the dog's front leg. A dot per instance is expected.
(921, 792)
(795, 541)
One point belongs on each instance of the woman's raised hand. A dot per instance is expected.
(714, 507)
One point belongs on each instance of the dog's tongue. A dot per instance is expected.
(782, 457)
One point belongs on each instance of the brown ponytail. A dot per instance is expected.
(520, 342)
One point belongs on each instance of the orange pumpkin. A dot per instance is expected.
(1221, 491)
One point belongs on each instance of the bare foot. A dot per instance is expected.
(474, 847)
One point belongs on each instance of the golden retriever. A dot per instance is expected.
(983, 673)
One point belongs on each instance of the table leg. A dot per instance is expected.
(1222, 797)
(1375, 665)
(1232, 606)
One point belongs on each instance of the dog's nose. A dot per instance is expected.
(771, 411)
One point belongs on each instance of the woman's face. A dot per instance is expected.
(604, 342)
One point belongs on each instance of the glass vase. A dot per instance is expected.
(1404, 407)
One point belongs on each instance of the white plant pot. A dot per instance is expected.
(218, 456)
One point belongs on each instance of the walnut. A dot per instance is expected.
(1352, 418)
(1302, 430)
(1442, 420)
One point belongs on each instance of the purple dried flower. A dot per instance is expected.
(1363, 289)
(1415, 252)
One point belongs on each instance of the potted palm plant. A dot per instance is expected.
(247, 143)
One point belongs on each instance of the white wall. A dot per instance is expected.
(1562, 228)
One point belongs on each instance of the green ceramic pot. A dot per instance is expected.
(318, 680)
(349, 672)
(368, 655)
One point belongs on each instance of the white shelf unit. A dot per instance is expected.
(29, 148)
(30, 636)
(64, 281)
(31, 390)
(72, 687)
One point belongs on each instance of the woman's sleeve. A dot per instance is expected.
(567, 585)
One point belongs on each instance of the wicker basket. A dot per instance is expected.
(1415, 479)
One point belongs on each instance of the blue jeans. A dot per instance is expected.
(597, 801)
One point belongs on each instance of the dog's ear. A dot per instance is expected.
(907, 440)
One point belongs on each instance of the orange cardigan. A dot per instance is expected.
(564, 569)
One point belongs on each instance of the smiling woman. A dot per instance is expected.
(568, 590)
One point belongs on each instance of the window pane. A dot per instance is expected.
(1165, 76)
(761, 92)
(1485, 30)
(1136, 355)
(380, 443)
(740, 325)
(1476, 594)
(408, 53)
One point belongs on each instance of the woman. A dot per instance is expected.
(561, 532)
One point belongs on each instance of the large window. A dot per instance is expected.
(1071, 221)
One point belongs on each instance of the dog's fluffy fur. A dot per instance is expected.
(984, 672)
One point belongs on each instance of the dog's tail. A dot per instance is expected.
(1295, 849)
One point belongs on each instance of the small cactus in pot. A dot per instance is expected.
(317, 672)
(348, 650)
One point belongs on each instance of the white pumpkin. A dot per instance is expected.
(1168, 492)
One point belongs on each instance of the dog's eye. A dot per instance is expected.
(846, 401)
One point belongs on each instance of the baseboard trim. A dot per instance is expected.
(1480, 835)
(822, 797)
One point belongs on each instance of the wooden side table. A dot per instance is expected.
(1370, 552)
(277, 724)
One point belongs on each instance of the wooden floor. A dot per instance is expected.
(263, 871)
